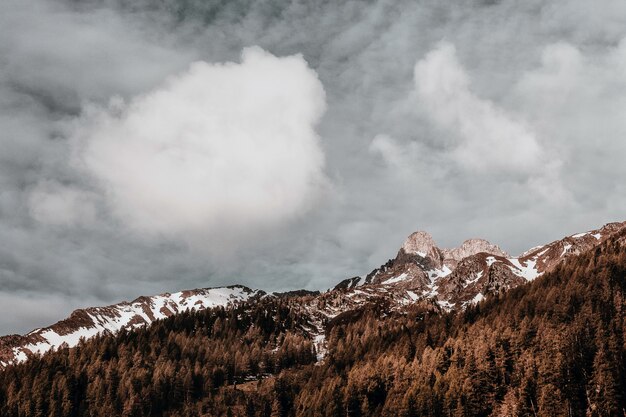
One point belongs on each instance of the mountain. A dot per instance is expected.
(555, 346)
(476, 269)
(89, 322)
(437, 279)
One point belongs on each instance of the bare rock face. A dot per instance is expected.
(421, 244)
(477, 269)
(425, 269)
(471, 247)
(476, 277)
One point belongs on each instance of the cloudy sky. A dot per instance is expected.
(156, 145)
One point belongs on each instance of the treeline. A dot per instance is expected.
(554, 347)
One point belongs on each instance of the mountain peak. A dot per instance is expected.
(474, 270)
(419, 243)
(472, 247)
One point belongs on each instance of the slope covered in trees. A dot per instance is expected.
(554, 347)
(168, 366)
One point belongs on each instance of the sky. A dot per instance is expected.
(157, 145)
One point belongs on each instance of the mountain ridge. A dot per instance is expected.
(553, 347)
(92, 321)
(444, 279)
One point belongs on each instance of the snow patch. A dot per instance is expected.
(19, 355)
(446, 305)
(478, 298)
(527, 271)
(473, 280)
(393, 280)
(319, 342)
(566, 248)
(439, 273)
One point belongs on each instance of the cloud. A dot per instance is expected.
(400, 158)
(62, 56)
(218, 152)
(558, 75)
(489, 137)
(548, 75)
(56, 204)
(577, 98)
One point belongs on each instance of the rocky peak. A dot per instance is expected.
(419, 243)
(469, 248)
(475, 269)
(423, 245)
(474, 246)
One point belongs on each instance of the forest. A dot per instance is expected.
(554, 347)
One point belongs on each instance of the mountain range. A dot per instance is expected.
(438, 279)
(433, 332)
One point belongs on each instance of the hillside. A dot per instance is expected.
(552, 347)
(439, 279)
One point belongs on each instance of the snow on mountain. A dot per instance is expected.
(459, 276)
(438, 279)
(90, 322)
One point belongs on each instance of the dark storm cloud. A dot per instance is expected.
(502, 120)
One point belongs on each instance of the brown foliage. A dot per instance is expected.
(554, 347)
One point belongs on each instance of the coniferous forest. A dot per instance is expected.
(554, 347)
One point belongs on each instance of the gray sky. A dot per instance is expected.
(157, 145)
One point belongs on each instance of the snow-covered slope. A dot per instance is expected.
(89, 322)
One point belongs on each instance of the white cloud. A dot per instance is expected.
(59, 56)
(399, 158)
(577, 97)
(488, 137)
(55, 204)
(220, 151)
(557, 79)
